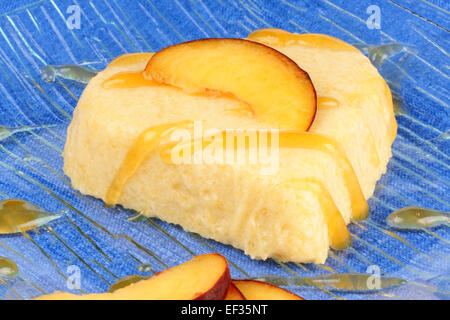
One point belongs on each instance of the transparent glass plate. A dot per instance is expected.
(103, 246)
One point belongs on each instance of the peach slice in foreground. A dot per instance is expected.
(205, 277)
(277, 90)
(258, 290)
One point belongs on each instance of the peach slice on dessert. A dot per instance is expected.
(233, 293)
(258, 290)
(278, 91)
(205, 277)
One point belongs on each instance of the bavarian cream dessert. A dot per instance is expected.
(161, 134)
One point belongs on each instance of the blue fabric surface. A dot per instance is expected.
(105, 246)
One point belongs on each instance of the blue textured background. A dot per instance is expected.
(105, 245)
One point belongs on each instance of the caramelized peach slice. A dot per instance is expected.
(233, 293)
(278, 91)
(258, 290)
(205, 277)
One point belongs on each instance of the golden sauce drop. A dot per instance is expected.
(337, 229)
(8, 268)
(125, 282)
(145, 143)
(349, 282)
(19, 216)
(417, 218)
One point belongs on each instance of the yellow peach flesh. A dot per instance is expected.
(279, 92)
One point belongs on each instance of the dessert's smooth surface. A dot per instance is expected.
(346, 151)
